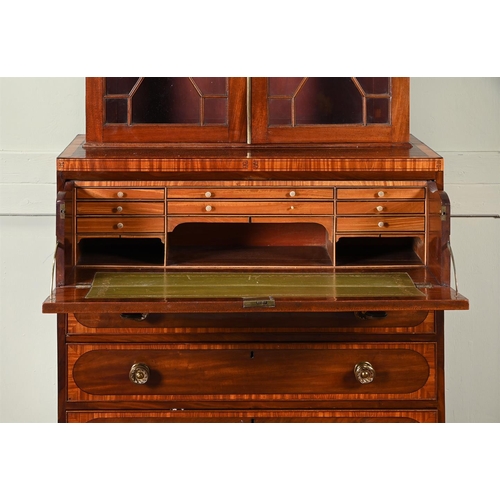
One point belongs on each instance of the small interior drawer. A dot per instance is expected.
(120, 208)
(120, 193)
(120, 225)
(380, 207)
(380, 193)
(380, 224)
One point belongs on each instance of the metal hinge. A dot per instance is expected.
(253, 302)
(443, 212)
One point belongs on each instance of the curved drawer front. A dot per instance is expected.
(238, 322)
(251, 371)
(341, 416)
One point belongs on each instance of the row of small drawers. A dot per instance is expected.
(193, 207)
(151, 222)
(249, 193)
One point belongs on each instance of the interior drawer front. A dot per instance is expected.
(284, 321)
(120, 208)
(297, 416)
(380, 224)
(250, 193)
(253, 371)
(380, 193)
(121, 225)
(380, 207)
(119, 193)
(249, 208)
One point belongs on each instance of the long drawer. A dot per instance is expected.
(205, 416)
(142, 322)
(249, 193)
(258, 372)
(194, 207)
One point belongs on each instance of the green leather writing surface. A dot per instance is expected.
(130, 285)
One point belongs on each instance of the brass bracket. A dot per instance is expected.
(443, 212)
(268, 302)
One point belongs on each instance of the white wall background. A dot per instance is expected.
(457, 117)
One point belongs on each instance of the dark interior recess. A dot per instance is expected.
(249, 244)
(121, 252)
(379, 251)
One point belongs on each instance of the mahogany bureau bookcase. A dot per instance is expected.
(251, 250)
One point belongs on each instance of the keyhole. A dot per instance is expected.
(251, 354)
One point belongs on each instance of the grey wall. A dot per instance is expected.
(457, 117)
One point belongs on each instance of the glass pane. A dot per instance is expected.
(377, 110)
(280, 112)
(120, 85)
(328, 101)
(284, 86)
(212, 86)
(374, 85)
(215, 111)
(116, 110)
(166, 100)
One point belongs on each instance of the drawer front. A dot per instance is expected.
(380, 207)
(120, 193)
(380, 224)
(249, 208)
(380, 193)
(253, 371)
(237, 322)
(250, 193)
(206, 416)
(120, 208)
(121, 225)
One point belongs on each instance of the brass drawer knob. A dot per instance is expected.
(292, 193)
(381, 224)
(208, 194)
(381, 194)
(380, 208)
(119, 225)
(120, 194)
(364, 372)
(119, 209)
(208, 208)
(139, 373)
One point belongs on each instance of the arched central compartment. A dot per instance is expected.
(250, 245)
